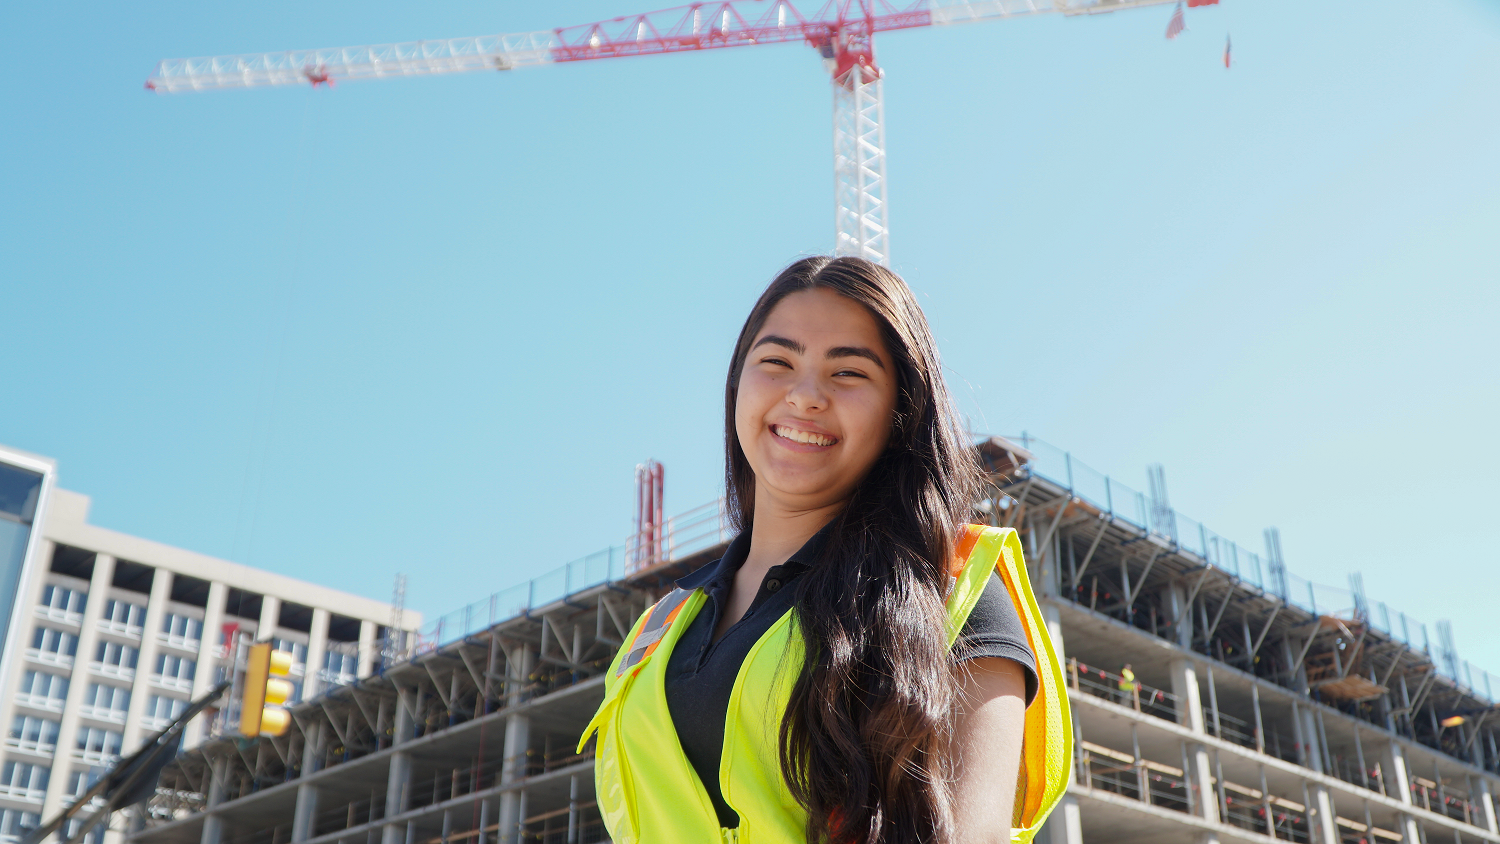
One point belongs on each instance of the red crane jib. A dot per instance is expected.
(840, 29)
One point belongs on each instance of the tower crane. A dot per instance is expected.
(842, 31)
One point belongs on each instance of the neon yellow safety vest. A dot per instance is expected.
(649, 792)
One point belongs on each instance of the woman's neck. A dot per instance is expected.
(779, 531)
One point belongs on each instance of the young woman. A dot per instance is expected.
(859, 666)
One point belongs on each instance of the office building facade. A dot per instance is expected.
(109, 636)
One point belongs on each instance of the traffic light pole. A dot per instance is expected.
(131, 780)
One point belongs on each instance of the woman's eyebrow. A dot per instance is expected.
(780, 341)
(854, 352)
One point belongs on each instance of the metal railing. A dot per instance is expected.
(1191, 537)
(1454, 803)
(696, 530)
(431, 788)
(706, 525)
(1093, 680)
(1165, 786)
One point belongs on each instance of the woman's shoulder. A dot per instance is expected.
(994, 629)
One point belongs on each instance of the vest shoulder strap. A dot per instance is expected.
(658, 621)
(1047, 743)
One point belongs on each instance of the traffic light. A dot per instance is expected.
(261, 712)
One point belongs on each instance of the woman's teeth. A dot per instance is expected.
(804, 437)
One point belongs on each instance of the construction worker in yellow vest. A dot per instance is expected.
(861, 665)
(1128, 685)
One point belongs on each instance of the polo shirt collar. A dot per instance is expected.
(721, 571)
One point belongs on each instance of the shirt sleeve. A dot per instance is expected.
(994, 630)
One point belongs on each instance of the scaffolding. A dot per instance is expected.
(1264, 707)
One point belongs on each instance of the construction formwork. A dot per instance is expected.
(1255, 712)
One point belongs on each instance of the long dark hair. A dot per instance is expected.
(862, 746)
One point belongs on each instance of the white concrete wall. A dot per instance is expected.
(65, 522)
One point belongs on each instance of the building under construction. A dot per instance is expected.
(1216, 697)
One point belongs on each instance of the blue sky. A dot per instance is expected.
(431, 325)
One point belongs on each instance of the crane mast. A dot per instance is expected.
(858, 149)
(843, 31)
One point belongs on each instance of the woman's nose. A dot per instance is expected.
(807, 393)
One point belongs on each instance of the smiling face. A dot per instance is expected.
(815, 401)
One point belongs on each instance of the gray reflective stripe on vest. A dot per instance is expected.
(655, 627)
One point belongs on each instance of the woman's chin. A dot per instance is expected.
(800, 493)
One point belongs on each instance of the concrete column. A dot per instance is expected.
(1299, 735)
(484, 822)
(1309, 722)
(1185, 688)
(305, 814)
(1398, 785)
(213, 825)
(1190, 715)
(317, 646)
(304, 817)
(1327, 755)
(367, 654)
(1048, 581)
(573, 809)
(208, 659)
(140, 690)
(1487, 804)
(398, 778)
(270, 617)
(1053, 618)
(1065, 824)
(1320, 815)
(1182, 616)
(517, 740)
(1288, 656)
(1398, 778)
(1206, 838)
(397, 796)
(78, 683)
(1407, 826)
(1202, 775)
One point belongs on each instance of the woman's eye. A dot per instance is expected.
(776, 362)
(849, 373)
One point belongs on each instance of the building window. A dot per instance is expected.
(24, 780)
(182, 630)
(163, 710)
(15, 823)
(52, 645)
(116, 659)
(39, 735)
(43, 690)
(95, 836)
(96, 745)
(79, 782)
(106, 702)
(62, 602)
(176, 671)
(340, 668)
(298, 651)
(123, 616)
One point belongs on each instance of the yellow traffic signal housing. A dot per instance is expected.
(261, 712)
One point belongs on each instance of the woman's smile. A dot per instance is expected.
(797, 436)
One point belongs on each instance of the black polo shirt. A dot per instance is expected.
(701, 673)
